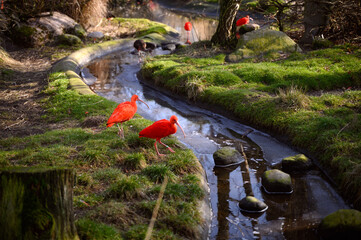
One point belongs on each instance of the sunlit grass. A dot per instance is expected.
(313, 98)
(88, 229)
(112, 174)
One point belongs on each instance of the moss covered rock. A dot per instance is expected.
(248, 28)
(342, 224)
(277, 182)
(227, 156)
(79, 31)
(69, 39)
(252, 204)
(298, 162)
(263, 43)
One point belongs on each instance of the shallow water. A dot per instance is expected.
(293, 216)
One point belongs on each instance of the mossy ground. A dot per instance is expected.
(312, 98)
(118, 180)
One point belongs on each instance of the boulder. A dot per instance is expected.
(298, 162)
(69, 39)
(342, 224)
(170, 47)
(55, 23)
(79, 31)
(96, 35)
(263, 43)
(227, 156)
(277, 182)
(252, 205)
(248, 28)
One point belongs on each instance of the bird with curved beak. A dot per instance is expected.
(124, 112)
(161, 129)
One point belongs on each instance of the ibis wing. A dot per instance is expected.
(159, 129)
(122, 113)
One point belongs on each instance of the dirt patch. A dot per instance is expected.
(23, 77)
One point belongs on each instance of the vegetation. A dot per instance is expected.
(314, 98)
(118, 180)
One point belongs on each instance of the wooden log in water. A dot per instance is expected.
(37, 203)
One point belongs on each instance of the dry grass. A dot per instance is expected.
(293, 97)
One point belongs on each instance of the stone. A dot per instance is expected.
(263, 43)
(298, 162)
(227, 156)
(252, 205)
(342, 224)
(248, 28)
(170, 47)
(69, 39)
(55, 23)
(79, 31)
(277, 182)
(96, 35)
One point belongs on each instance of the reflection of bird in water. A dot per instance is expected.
(124, 112)
(161, 129)
(142, 46)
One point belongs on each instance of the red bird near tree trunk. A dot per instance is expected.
(124, 112)
(243, 21)
(161, 129)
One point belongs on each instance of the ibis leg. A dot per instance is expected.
(166, 146)
(121, 132)
(156, 148)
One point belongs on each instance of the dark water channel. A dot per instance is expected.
(293, 216)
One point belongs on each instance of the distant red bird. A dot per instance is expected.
(161, 129)
(188, 28)
(124, 112)
(243, 21)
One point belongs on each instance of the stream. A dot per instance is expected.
(293, 216)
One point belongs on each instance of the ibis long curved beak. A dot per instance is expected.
(180, 128)
(143, 102)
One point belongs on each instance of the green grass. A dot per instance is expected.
(88, 229)
(113, 174)
(313, 98)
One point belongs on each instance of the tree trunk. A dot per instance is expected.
(225, 33)
(316, 18)
(36, 203)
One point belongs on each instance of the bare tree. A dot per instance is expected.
(225, 33)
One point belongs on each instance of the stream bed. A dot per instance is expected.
(293, 216)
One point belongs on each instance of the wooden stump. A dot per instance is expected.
(36, 203)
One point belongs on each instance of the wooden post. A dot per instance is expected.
(37, 203)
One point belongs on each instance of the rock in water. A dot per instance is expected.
(277, 182)
(342, 224)
(252, 205)
(298, 162)
(227, 156)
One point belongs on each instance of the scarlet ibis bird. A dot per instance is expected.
(188, 28)
(124, 112)
(243, 21)
(161, 129)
